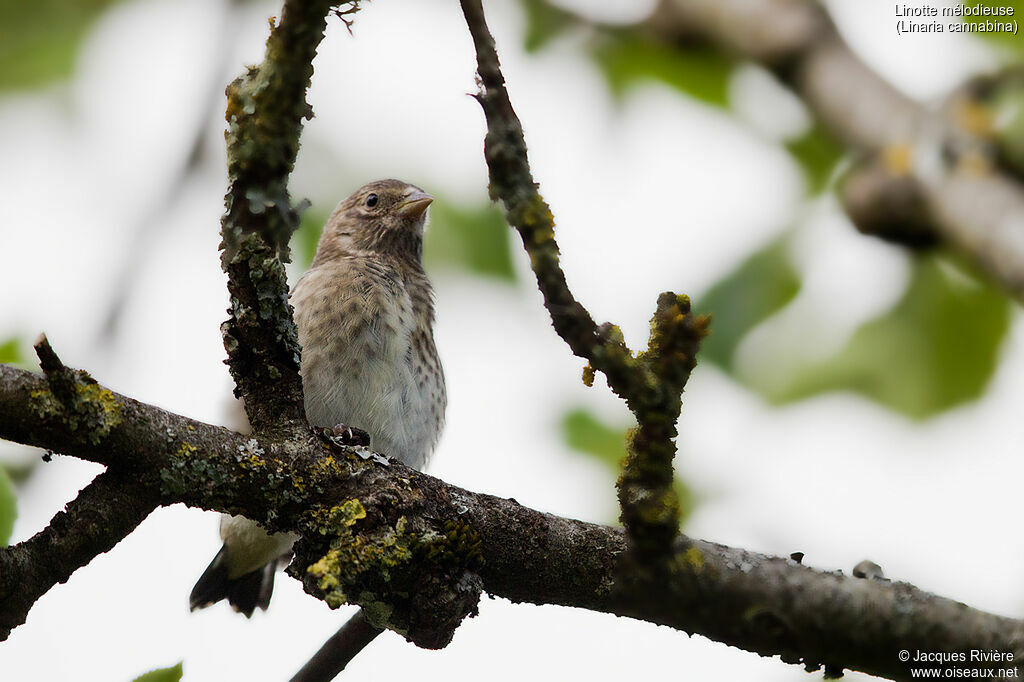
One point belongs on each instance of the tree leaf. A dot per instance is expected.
(544, 22)
(817, 151)
(935, 349)
(8, 507)
(39, 40)
(172, 674)
(10, 352)
(762, 285)
(307, 235)
(700, 72)
(587, 434)
(474, 239)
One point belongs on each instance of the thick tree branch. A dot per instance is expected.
(414, 552)
(954, 189)
(650, 382)
(421, 533)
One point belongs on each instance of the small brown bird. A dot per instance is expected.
(365, 314)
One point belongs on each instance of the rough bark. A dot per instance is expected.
(440, 540)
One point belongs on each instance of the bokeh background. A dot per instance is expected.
(854, 401)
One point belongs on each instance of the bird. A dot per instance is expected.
(369, 365)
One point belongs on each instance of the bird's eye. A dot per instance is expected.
(371, 200)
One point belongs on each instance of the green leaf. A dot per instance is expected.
(587, 434)
(475, 239)
(1003, 38)
(700, 72)
(817, 151)
(10, 352)
(936, 349)
(305, 239)
(544, 22)
(40, 39)
(761, 286)
(8, 507)
(172, 674)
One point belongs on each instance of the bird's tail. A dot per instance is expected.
(244, 593)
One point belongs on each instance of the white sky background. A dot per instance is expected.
(656, 193)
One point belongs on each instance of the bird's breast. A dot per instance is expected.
(368, 359)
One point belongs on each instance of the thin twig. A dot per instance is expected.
(651, 382)
(338, 651)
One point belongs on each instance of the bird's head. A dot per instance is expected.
(386, 217)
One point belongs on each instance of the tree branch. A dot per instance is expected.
(338, 651)
(103, 514)
(413, 551)
(265, 110)
(964, 199)
(417, 543)
(651, 382)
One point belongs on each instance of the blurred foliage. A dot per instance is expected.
(544, 22)
(11, 472)
(39, 39)
(999, 111)
(587, 434)
(758, 288)
(10, 352)
(935, 349)
(306, 237)
(473, 239)
(8, 507)
(817, 151)
(172, 674)
(1001, 38)
(627, 59)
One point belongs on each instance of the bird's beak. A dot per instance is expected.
(415, 203)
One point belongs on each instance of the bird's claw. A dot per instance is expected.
(341, 435)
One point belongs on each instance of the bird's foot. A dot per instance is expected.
(341, 434)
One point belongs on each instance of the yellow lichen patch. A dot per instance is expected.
(352, 559)
(187, 449)
(693, 558)
(106, 406)
(326, 467)
(326, 571)
(347, 513)
(340, 517)
(588, 375)
(44, 404)
(92, 407)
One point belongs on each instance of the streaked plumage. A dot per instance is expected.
(365, 316)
